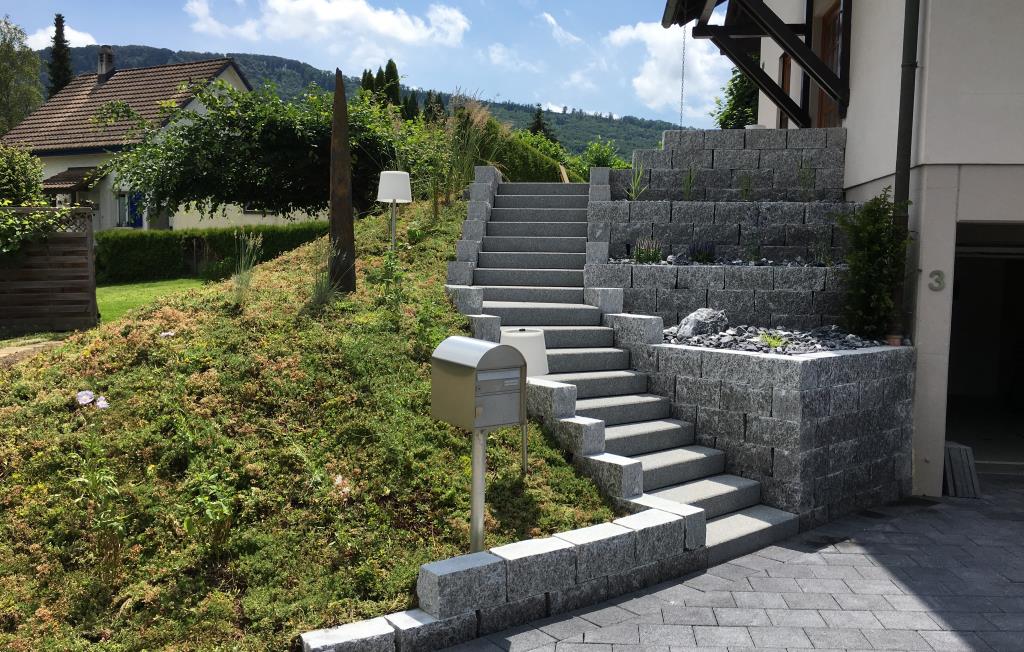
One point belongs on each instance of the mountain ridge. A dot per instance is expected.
(290, 77)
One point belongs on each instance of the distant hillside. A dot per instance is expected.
(291, 77)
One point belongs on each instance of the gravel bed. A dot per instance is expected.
(739, 262)
(752, 338)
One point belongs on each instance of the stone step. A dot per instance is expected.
(515, 243)
(538, 215)
(531, 277)
(717, 495)
(678, 465)
(628, 408)
(570, 360)
(577, 337)
(530, 260)
(538, 229)
(543, 189)
(540, 201)
(646, 437)
(604, 383)
(747, 530)
(530, 293)
(522, 313)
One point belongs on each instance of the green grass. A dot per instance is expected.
(265, 471)
(115, 300)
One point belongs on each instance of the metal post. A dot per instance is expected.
(526, 441)
(476, 517)
(394, 224)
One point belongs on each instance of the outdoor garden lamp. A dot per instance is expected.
(394, 187)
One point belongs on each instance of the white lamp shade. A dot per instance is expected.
(394, 187)
(529, 342)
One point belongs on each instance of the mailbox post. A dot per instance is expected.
(478, 386)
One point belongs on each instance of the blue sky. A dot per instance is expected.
(596, 55)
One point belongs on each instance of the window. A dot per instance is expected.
(831, 33)
(128, 212)
(785, 74)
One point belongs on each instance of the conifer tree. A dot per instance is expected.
(539, 126)
(379, 81)
(366, 83)
(392, 89)
(433, 108)
(59, 65)
(20, 90)
(411, 108)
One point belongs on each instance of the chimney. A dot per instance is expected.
(105, 65)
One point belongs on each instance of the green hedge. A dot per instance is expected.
(129, 256)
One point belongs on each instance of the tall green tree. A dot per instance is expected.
(539, 126)
(366, 83)
(411, 106)
(739, 106)
(20, 90)
(433, 108)
(392, 88)
(59, 65)
(379, 81)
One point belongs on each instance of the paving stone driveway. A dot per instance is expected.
(947, 576)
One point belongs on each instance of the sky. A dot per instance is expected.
(607, 56)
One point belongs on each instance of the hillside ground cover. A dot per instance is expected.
(115, 300)
(265, 467)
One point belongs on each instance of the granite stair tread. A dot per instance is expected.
(530, 260)
(747, 530)
(543, 188)
(538, 215)
(533, 293)
(603, 383)
(537, 229)
(570, 359)
(627, 408)
(549, 244)
(716, 495)
(532, 277)
(631, 439)
(575, 337)
(677, 465)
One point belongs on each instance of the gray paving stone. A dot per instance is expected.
(711, 599)
(1009, 622)
(614, 634)
(905, 620)
(564, 626)
(823, 586)
(727, 636)
(873, 587)
(667, 634)
(850, 619)
(862, 602)
(758, 599)
(954, 641)
(781, 637)
(741, 617)
(837, 638)
(604, 614)
(894, 639)
(520, 639)
(675, 615)
(795, 618)
(775, 584)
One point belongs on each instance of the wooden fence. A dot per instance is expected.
(50, 284)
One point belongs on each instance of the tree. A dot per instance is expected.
(411, 107)
(539, 126)
(392, 83)
(433, 108)
(59, 65)
(379, 81)
(21, 177)
(367, 81)
(20, 90)
(739, 108)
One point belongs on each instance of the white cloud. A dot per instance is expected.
(657, 82)
(204, 23)
(559, 33)
(505, 57)
(348, 19)
(43, 37)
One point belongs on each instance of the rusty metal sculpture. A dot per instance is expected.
(342, 231)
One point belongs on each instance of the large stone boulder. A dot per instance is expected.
(703, 321)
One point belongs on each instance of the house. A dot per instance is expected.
(63, 133)
(931, 96)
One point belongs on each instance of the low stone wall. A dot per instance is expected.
(825, 434)
(788, 297)
(741, 165)
(748, 230)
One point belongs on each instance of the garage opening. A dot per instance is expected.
(986, 364)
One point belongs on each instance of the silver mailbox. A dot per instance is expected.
(477, 385)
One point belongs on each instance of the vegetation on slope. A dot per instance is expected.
(260, 471)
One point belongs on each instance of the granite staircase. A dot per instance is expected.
(530, 268)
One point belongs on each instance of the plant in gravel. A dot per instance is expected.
(247, 252)
(701, 252)
(389, 280)
(689, 183)
(209, 510)
(773, 339)
(876, 254)
(647, 250)
(324, 290)
(636, 185)
(97, 496)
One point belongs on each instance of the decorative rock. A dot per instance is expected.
(703, 321)
(376, 635)
(749, 338)
(601, 550)
(659, 535)
(416, 630)
(536, 566)
(461, 584)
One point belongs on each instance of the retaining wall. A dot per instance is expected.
(787, 297)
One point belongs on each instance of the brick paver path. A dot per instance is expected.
(946, 576)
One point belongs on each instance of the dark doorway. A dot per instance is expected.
(986, 357)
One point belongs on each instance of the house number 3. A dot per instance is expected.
(938, 281)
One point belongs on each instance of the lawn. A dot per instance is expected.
(115, 300)
(263, 468)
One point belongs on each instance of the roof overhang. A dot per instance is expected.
(70, 180)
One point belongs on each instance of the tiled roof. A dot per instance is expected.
(69, 180)
(63, 122)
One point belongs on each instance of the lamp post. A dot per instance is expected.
(394, 187)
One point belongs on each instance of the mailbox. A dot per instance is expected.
(477, 385)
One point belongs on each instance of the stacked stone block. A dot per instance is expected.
(740, 165)
(787, 297)
(825, 434)
(737, 230)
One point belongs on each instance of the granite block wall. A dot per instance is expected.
(787, 297)
(740, 165)
(737, 230)
(825, 434)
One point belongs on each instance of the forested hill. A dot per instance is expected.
(291, 77)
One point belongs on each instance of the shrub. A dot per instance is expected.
(21, 177)
(647, 250)
(876, 254)
(602, 154)
(20, 226)
(636, 185)
(125, 256)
